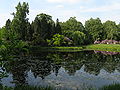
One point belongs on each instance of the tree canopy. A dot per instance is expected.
(95, 28)
(43, 28)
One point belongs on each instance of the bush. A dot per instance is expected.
(57, 40)
(78, 37)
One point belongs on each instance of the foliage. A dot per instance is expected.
(109, 87)
(57, 28)
(104, 47)
(20, 24)
(43, 30)
(78, 37)
(8, 29)
(111, 30)
(9, 45)
(72, 25)
(26, 87)
(43, 25)
(2, 33)
(37, 40)
(94, 28)
(57, 40)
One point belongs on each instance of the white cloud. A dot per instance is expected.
(106, 8)
(83, 13)
(34, 13)
(63, 15)
(60, 6)
(111, 16)
(64, 1)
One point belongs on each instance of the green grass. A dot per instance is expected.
(104, 47)
(61, 49)
(100, 47)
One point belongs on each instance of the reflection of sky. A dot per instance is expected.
(79, 80)
(7, 81)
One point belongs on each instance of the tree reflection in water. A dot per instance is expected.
(43, 64)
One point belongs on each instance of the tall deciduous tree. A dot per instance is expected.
(72, 25)
(111, 29)
(94, 27)
(78, 37)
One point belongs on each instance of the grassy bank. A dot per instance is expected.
(104, 47)
(61, 49)
(99, 47)
(27, 87)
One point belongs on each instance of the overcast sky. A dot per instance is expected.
(64, 9)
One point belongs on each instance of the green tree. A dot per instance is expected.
(94, 28)
(31, 31)
(46, 25)
(8, 29)
(2, 33)
(43, 27)
(118, 36)
(8, 24)
(57, 40)
(111, 29)
(20, 21)
(72, 25)
(78, 37)
(57, 27)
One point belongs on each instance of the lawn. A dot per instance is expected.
(103, 47)
(61, 49)
(99, 47)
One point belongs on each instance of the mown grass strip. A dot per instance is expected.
(62, 49)
(99, 47)
(103, 47)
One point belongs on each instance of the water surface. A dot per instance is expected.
(71, 70)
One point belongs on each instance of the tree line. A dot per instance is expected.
(43, 31)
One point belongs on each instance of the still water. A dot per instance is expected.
(68, 70)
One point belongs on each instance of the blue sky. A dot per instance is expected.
(64, 9)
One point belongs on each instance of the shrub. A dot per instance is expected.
(59, 40)
(107, 42)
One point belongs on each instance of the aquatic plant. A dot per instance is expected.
(111, 87)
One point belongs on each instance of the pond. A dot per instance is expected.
(66, 70)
